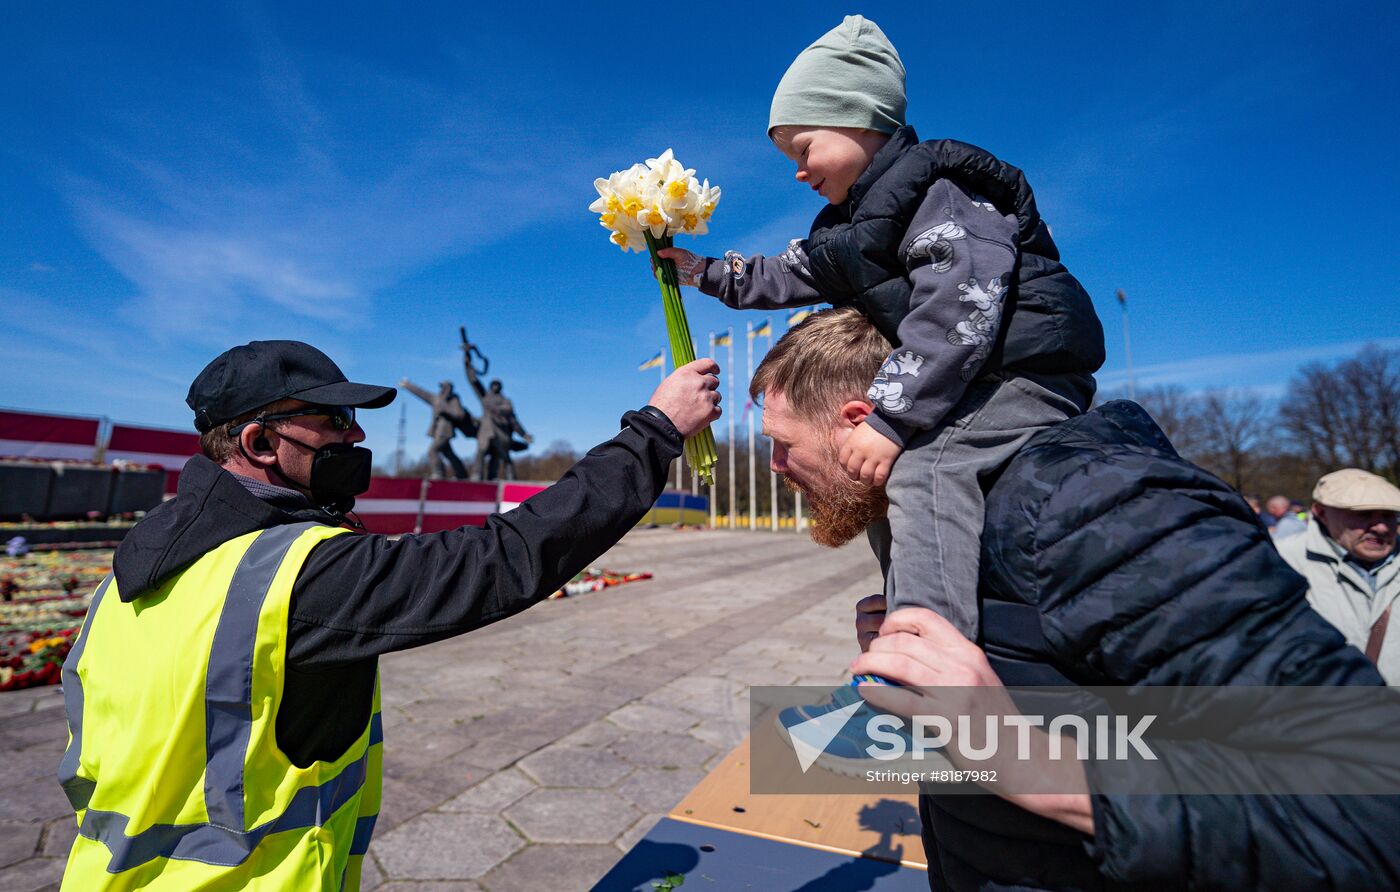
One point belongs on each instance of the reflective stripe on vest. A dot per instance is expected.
(78, 789)
(228, 697)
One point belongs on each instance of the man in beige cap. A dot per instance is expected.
(1348, 556)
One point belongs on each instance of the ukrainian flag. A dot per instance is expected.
(797, 316)
(763, 331)
(722, 340)
(654, 363)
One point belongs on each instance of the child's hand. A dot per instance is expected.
(867, 455)
(689, 266)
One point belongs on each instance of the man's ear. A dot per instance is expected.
(256, 447)
(854, 413)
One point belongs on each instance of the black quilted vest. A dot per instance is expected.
(970, 838)
(1048, 321)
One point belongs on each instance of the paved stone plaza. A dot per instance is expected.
(531, 754)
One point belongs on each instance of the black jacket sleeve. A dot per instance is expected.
(361, 596)
(1149, 571)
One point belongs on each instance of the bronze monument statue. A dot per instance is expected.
(449, 416)
(495, 437)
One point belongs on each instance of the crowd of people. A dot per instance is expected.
(1281, 515)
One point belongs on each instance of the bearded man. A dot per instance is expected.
(1106, 560)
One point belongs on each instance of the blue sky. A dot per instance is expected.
(179, 178)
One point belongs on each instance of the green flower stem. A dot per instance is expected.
(700, 449)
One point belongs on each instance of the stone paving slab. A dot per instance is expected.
(530, 754)
(493, 794)
(552, 867)
(447, 846)
(658, 789)
(18, 841)
(33, 875)
(569, 766)
(572, 816)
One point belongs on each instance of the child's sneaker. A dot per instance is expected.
(834, 734)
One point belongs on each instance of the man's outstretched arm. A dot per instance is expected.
(359, 596)
(472, 379)
(417, 391)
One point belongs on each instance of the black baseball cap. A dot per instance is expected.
(262, 372)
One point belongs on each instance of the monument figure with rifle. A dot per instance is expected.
(449, 416)
(495, 435)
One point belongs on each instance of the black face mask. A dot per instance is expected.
(339, 472)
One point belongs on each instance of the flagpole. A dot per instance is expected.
(772, 474)
(1127, 347)
(732, 516)
(797, 494)
(714, 507)
(651, 513)
(753, 472)
(660, 360)
(403, 438)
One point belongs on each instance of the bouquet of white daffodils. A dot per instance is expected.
(648, 204)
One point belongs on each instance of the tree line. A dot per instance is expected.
(1332, 415)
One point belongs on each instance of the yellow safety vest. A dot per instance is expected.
(173, 765)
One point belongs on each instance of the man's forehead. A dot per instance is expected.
(779, 420)
(774, 410)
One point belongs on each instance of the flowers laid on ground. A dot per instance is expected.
(648, 205)
(594, 579)
(43, 599)
(37, 662)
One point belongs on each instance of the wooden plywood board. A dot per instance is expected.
(883, 827)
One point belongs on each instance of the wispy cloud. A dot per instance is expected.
(1260, 372)
(1126, 141)
(303, 223)
(51, 347)
(208, 280)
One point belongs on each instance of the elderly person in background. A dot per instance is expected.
(1278, 516)
(1348, 556)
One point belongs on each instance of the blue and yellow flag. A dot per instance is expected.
(723, 339)
(654, 363)
(763, 331)
(797, 316)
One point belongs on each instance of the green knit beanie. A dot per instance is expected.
(851, 77)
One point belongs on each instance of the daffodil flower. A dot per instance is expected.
(643, 207)
(660, 198)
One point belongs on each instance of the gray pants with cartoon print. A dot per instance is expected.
(932, 550)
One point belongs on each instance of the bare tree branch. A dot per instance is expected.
(1348, 414)
(1232, 425)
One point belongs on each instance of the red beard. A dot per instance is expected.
(841, 508)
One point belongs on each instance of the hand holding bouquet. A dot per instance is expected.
(648, 204)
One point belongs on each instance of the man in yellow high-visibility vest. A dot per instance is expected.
(222, 696)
